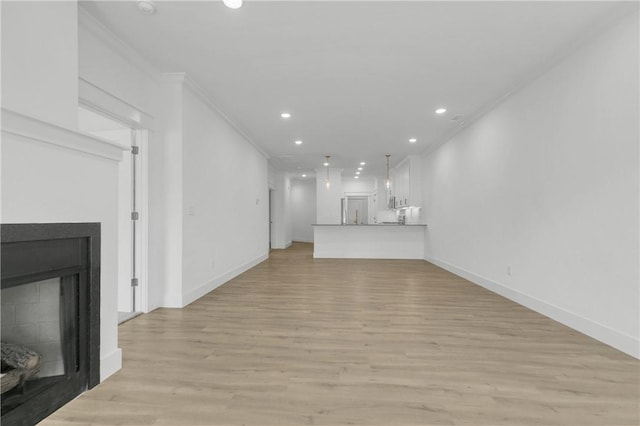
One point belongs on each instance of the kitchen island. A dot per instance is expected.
(377, 241)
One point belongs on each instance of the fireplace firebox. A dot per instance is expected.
(50, 330)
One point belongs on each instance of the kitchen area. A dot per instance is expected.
(381, 221)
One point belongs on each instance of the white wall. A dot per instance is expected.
(40, 180)
(40, 184)
(546, 186)
(120, 73)
(303, 209)
(328, 199)
(40, 60)
(282, 231)
(225, 204)
(125, 246)
(105, 61)
(166, 197)
(358, 186)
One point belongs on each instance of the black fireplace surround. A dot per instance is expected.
(71, 252)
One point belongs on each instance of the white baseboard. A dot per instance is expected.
(281, 247)
(205, 288)
(621, 341)
(110, 364)
(303, 241)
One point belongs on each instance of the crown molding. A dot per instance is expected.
(28, 128)
(90, 23)
(188, 82)
(615, 16)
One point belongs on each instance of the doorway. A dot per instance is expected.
(129, 247)
(357, 210)
(271, 216)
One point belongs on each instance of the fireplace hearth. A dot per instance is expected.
(50, 334)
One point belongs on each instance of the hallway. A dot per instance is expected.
(374, 342)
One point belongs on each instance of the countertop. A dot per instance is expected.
(370, 224)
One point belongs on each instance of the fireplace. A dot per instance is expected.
(50, 330)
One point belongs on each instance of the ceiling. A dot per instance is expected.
(359, 78)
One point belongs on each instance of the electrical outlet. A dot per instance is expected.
(213, 264)
(509, 270)
(191, 211)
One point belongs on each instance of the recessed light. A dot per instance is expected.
(304, 175)
(146, 7)
(285, 115)
(298, 142)
(357, 173)
(359, 168)
(356, 177)
(325, 163)
(363, 163)
(441, 110)
(233, 4)
(413, 140)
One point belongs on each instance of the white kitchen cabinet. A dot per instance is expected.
(406, 185)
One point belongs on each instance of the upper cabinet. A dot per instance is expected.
(406, 182)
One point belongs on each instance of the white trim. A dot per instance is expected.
(87, 21)
(33, 129)
(303, 241)
(614, 16)
(105, 103)
(110, 364)
(358, 194)
(142, 141)
(621, 341)
(94, 26)
(209, 286)
(205, 97)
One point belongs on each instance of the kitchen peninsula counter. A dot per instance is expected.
(368, 224)
(371, 241)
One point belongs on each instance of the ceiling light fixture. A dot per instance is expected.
(326, 163)
(359, 168)
(357, 173)
(363, 163)
(285, 115)
(356, 177)
(146, 7)
(413, 140)
(233, 4)
(441, 110)
(387, 181)
(298, 142)
(304, 175)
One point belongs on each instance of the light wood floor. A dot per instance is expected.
(298, 341)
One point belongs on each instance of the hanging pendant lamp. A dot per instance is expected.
(326, 163)
(387, 181)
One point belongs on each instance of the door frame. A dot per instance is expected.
(272, 216)
(102, 102)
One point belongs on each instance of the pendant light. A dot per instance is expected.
(326, 163)
(387, 182)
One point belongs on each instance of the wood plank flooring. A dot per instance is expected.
(298, 341)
